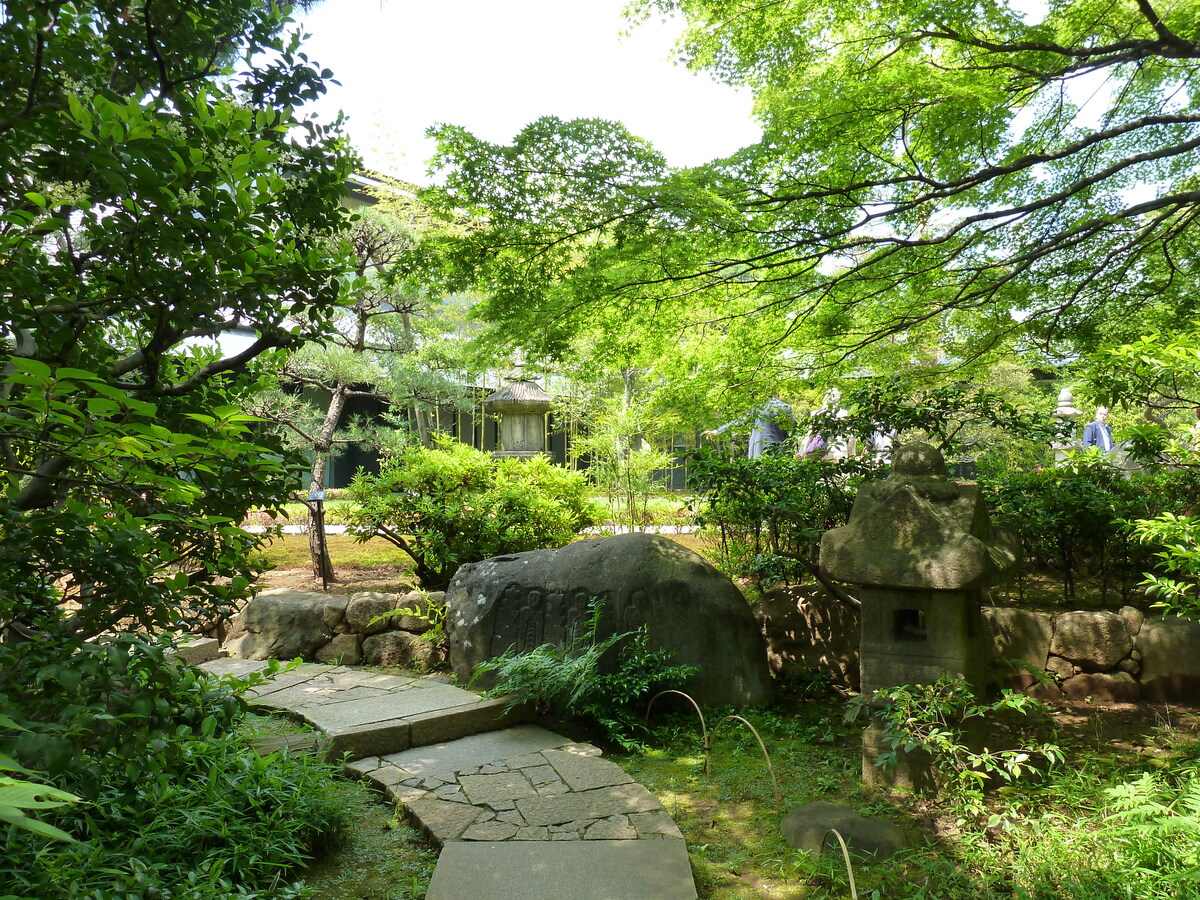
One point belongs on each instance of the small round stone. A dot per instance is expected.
(916, 460)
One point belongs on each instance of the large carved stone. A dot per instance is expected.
(687, 605)
(921, 548)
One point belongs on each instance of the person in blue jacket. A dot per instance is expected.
(1098, 433)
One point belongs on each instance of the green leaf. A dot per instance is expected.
(34, 826)
(34, 367)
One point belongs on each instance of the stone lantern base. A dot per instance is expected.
(917, 636)
(913, 769)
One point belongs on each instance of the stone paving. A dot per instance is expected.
(559, 791)
(517, 810)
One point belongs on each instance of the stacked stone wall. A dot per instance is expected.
(1108, 656)
(1121, 656)
(283, 624)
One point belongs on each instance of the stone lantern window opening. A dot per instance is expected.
(910, 625)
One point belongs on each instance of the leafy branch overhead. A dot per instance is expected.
(998, 171)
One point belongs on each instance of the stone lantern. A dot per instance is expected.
(1066, 413)
(522, 406)
(921, 550)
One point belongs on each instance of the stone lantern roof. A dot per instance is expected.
(520, 396)
(917, 529)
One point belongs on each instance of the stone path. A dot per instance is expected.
(517, 810)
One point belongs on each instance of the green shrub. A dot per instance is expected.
(176, 804)
(770, 512)
(577, 680)
(943, 720)
(452, 504)
(1073, 516)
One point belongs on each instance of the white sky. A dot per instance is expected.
(493, 66)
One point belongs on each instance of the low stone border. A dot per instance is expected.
(1108, 656)
(326, 628)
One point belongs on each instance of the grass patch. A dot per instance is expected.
(376, 855)
(730, 821)
(290, 551)
(379, 857)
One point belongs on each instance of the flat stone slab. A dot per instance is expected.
(365, 712)
(400, 704)
(230, 666)
(554, 870)
(444, 759)
(576, 806)
(195, 651)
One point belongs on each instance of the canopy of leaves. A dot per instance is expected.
(995, 174)
(157, 190)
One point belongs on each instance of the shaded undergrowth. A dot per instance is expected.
(1120, 819)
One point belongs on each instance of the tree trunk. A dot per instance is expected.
(416, 415)
(322, 566)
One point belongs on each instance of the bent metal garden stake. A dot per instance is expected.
(709, 737)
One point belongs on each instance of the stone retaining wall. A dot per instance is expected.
(284, 624)
(1122, 656)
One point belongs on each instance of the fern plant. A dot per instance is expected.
(1154, 826)
(570, 681)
